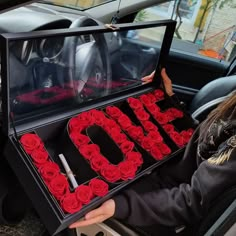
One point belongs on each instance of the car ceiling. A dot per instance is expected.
(24, 19)
(105, 14)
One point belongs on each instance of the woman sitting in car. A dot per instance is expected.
(180, 194)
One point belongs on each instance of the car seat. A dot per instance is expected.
(210, 95)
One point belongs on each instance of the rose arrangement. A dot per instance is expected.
(181, 138)
(165, 118)
(53, 94)
(56, 182)
(46, 95)
(152, 142)
(147, 136)
(132, 159)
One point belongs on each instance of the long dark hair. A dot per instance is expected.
(222, 111)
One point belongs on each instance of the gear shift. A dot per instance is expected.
(44, 74)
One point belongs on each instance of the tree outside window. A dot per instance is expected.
(208, 24)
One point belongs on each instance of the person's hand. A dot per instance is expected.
(167, 82)
(148, 78)
(165, 78)
(105, 211)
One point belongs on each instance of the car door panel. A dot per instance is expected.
(189, 73)
(130, 61)
(194, 71)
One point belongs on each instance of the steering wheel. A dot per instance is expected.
(87, 57)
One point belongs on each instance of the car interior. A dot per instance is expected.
(200, 83)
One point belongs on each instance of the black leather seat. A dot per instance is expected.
(211, 95)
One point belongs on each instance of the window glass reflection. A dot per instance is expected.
(51, 74)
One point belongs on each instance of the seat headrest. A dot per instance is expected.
(215, 89)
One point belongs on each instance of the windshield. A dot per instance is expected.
(77, 4)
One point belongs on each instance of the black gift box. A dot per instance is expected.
(42, 95)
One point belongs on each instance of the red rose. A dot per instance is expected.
(142, 115)
(49, 171)
(155, 136)
(165, 150)
(62, 94)
(89, 150)
(145, 100)
(118, 137)
(98, 187)
(158, 94)
(169, 114)
(84, 194)
(112, 130)
(190, 130)
(97, 114)
(30, 142)
(79, 139)
(134, 103)
(39, 156)
(110, 124)
(127, 146)
(127, 170)
(186, 134)
(77, 125)
(177, 138)
(149, 126)
(176, 113)
(70, 203)
(153, 108)
(29, 98)
(161, 118)
(97, 162)
(100, 121)
(114, 112)
(99, 117)
(151, 97)
(83, 124)
(156, 153)
(124, 121)
(136, 132)
(59, 186)
(135, 157)
(86, 117)
(169, 128)
(147, 143)
(111, 173)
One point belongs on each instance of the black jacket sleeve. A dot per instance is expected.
(186, 203)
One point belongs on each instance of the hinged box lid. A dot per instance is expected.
(49, 75)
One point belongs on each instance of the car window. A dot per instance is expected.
(78, 4)
(206, 27)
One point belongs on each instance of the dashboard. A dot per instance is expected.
(32, 18)
(36, 17)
